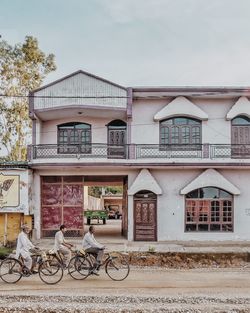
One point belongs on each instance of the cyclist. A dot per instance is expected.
(90, 245)
(23, 247)
(62, 246)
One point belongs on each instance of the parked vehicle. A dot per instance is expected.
(116, 214)
(96, 215)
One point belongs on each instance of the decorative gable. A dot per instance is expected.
(80, 89)
(210, 178)
(180, 106)
(241, 107)
(145, 181)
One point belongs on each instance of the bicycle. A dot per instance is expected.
(82, 265)
(12, 270)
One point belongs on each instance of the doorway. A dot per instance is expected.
(63, 201)
(145, 216)
(117, 139)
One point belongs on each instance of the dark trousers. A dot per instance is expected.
(97, 252)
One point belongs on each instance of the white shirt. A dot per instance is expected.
(90, 242)
(23, 245)
(59, 240)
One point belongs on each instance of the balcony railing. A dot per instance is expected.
(140, 151)
(94, 150)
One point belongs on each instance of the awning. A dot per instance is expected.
(210, 178)
(144, 181)
(241, 107)
(180, 106)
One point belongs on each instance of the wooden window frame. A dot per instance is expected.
(224, 216)
(192, 143)
(79, 147)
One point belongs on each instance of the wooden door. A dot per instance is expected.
(116, 143)
(240, 141)
(145, 225)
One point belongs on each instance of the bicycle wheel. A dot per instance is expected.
(117, 267)
(50, 271)
(11, 270)
(79, 267)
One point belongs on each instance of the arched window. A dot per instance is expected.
(74, 137)
(240, 137)
(209, 209)
(180, 130)
(241, 120)
(117, 139)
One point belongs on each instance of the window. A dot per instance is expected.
(209, 209)
(241, 120)
(74, 138)
(241, 137)
(180, 130)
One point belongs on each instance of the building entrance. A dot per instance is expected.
(145, 221)
(64, 200)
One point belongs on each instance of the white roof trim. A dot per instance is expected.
(241, 107)
(180, 106)
(144, 181)
(211, 178)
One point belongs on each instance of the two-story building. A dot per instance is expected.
(182, 156)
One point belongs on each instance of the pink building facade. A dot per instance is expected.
(182, 156)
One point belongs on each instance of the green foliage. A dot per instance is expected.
(22, 69)
(95, 191)
(4, 252)
(114, 189)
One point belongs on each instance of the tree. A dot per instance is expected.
(23, 68)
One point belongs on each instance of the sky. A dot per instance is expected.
(138, 42)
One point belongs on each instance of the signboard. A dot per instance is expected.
(9, 190)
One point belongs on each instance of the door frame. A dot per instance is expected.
(155, 218)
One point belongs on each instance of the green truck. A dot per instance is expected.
(96, 215)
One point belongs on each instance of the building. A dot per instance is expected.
(182, 156)
(15, 200)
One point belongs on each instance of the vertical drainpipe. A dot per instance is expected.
(32, 116)
(126, 226)
(129, 116)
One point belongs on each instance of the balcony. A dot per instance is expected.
(139, 151)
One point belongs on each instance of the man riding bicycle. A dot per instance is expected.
(24, 245)
(90, 245)
(62, 246)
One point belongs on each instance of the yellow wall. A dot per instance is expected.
(14, 221)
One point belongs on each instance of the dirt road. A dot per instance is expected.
(145, 290)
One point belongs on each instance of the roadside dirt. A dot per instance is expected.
(189, 260)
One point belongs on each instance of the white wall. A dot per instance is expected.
(19, 192)
(216, 130)
(171, 205)
(98, 128)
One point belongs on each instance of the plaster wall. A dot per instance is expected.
(19, 192)
(171, 206)
(216, 130)
(98, 128)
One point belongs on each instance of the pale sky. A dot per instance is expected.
(139, 42)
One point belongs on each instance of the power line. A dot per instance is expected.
(63, 97)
